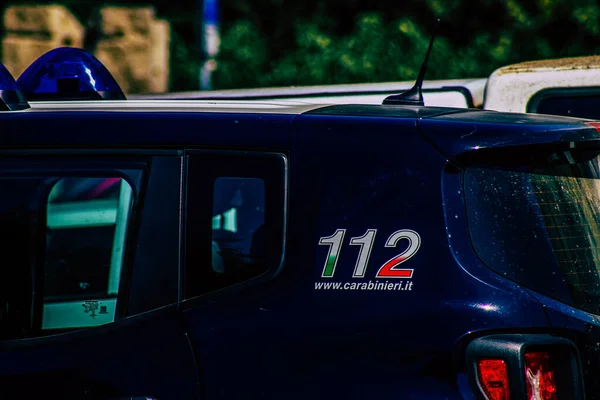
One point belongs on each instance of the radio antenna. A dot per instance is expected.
(414, 96)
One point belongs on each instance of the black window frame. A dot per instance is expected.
(560, 92)
(202, 169)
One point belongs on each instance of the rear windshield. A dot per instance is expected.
(570, 106)
(540, 226)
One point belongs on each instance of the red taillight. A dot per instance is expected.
(493, 378)
(539, 375)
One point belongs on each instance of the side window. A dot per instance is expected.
(86, 227)
(235, 220)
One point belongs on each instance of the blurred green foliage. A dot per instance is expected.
(308, 42)
(327, 42)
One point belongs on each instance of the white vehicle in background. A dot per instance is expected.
(461, 93)
(565, 86)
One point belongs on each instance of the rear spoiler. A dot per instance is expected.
(465, 137)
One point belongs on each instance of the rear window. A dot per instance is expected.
(540, 226)
(571, 106)
(580, 102)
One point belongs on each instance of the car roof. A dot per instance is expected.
(289, 108)
(563, 64)
(251, 125)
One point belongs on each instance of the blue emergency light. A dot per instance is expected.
(68, 73)
(11, 99)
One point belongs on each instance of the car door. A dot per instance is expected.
(89, 289)
(235, 224)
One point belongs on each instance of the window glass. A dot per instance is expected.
(571, 106)
(86, 226)
(237, 224)
(235, 208)
(20, 222)
(540, 227)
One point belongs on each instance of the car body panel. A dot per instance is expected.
(291, 333)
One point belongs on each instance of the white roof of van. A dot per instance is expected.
(511, 87)
(561, 64)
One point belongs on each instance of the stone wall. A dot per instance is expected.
(131, 42)
(32, 31)
(134, 46)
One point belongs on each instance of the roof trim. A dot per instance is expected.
(222, 106)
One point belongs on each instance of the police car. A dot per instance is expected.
(279, 250)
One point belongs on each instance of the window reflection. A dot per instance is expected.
(86, 226)
(238, 218)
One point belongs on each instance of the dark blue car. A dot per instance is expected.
(247, 250)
